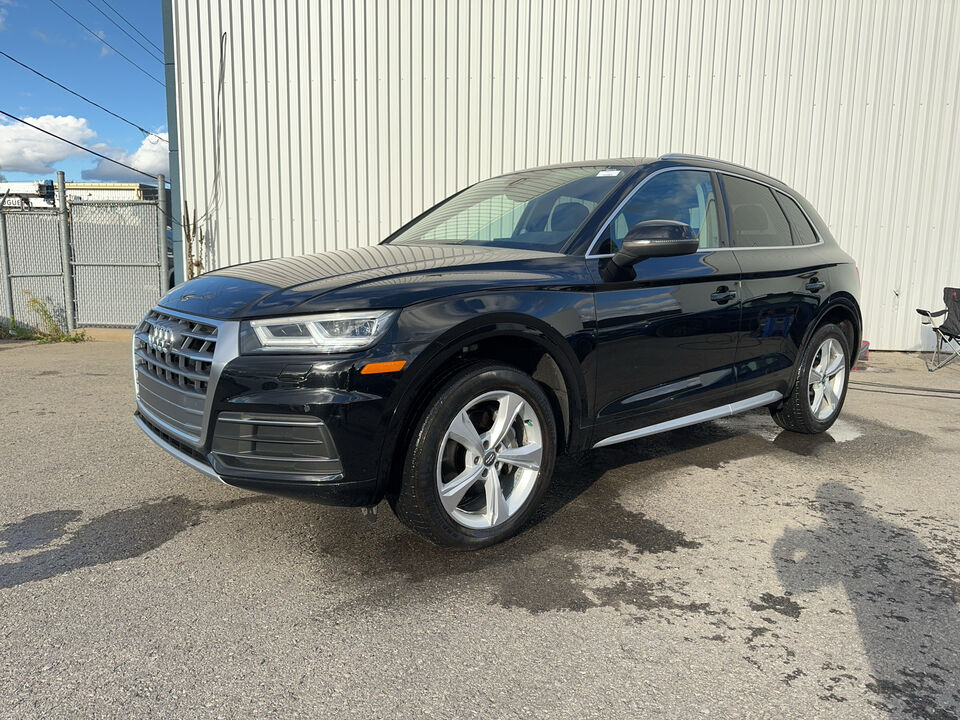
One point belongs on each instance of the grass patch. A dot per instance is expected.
(12, 331)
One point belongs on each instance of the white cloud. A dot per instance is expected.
(3, 18)
(152, 157)
(104, 50)
(23, 149)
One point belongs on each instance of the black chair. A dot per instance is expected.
(946, 326)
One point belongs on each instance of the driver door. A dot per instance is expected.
(667, 338)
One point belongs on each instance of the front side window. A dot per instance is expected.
(756, 219)
(685, 196)
(533, 210)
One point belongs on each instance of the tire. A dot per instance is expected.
(814, 405)
(448, 492)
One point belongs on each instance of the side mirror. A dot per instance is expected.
(656, 238)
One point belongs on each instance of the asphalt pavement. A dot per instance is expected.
(727, 570)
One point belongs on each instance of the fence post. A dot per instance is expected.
(65, 252)
(162, 237)
(5, 262)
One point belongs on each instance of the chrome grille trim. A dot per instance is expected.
(175, 384)
(181, 456)
(178, 364)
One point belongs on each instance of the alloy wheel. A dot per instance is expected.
(827, 376)
(489, 459)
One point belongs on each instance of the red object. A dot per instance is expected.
(864, 355)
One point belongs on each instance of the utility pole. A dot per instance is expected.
(65, 252)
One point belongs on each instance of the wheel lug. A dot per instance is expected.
(476, 461)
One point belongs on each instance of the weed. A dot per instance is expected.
(50, 330)
(12, 331)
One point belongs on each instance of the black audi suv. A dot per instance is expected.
(541, 312)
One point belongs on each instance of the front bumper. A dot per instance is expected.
(310, 427)
(330, 489)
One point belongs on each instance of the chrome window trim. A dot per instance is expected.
(227, 349)
(619, 207)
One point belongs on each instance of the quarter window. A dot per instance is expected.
(686, 196)
(803, 233)
(756, 219)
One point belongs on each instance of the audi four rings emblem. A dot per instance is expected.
(163, 337)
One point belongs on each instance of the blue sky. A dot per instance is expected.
(39, 34)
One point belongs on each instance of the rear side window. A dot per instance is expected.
(756, 219)
(803, 233)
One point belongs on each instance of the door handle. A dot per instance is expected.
(814, 286)
(723, 295)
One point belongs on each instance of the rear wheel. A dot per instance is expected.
(820, 385)
(480, 459)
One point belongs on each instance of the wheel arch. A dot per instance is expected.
(522, 341)
(840, 309)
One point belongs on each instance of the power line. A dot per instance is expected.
(158, 82)
(152, 54)
(76, 145)
(135, 28)
(82, 97)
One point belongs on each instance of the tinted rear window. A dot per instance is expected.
(756, 219)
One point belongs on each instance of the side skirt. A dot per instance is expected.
(757, 401)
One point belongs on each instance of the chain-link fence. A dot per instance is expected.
(115, 258)
(35, 263)
(116, 262)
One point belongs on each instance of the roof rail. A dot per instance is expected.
(690, 156)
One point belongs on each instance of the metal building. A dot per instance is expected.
(40, 193)
(300, 126)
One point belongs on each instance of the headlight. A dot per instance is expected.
(327, 333)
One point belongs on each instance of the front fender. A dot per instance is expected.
(435, 332)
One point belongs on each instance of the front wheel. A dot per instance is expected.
(480, 459)
(820, 386)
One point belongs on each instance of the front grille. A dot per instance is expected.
(174, 442)
(173, 357)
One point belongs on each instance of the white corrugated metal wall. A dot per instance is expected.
(342, 120)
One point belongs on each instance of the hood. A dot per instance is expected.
(378, 276)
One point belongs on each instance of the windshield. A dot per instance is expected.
(532, 210)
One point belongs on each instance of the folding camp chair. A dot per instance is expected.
(946, 326)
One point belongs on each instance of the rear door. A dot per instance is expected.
(667, 337)
(785, 278)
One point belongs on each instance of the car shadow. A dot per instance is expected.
(906, 605)
(106, 538)
(540, 568)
